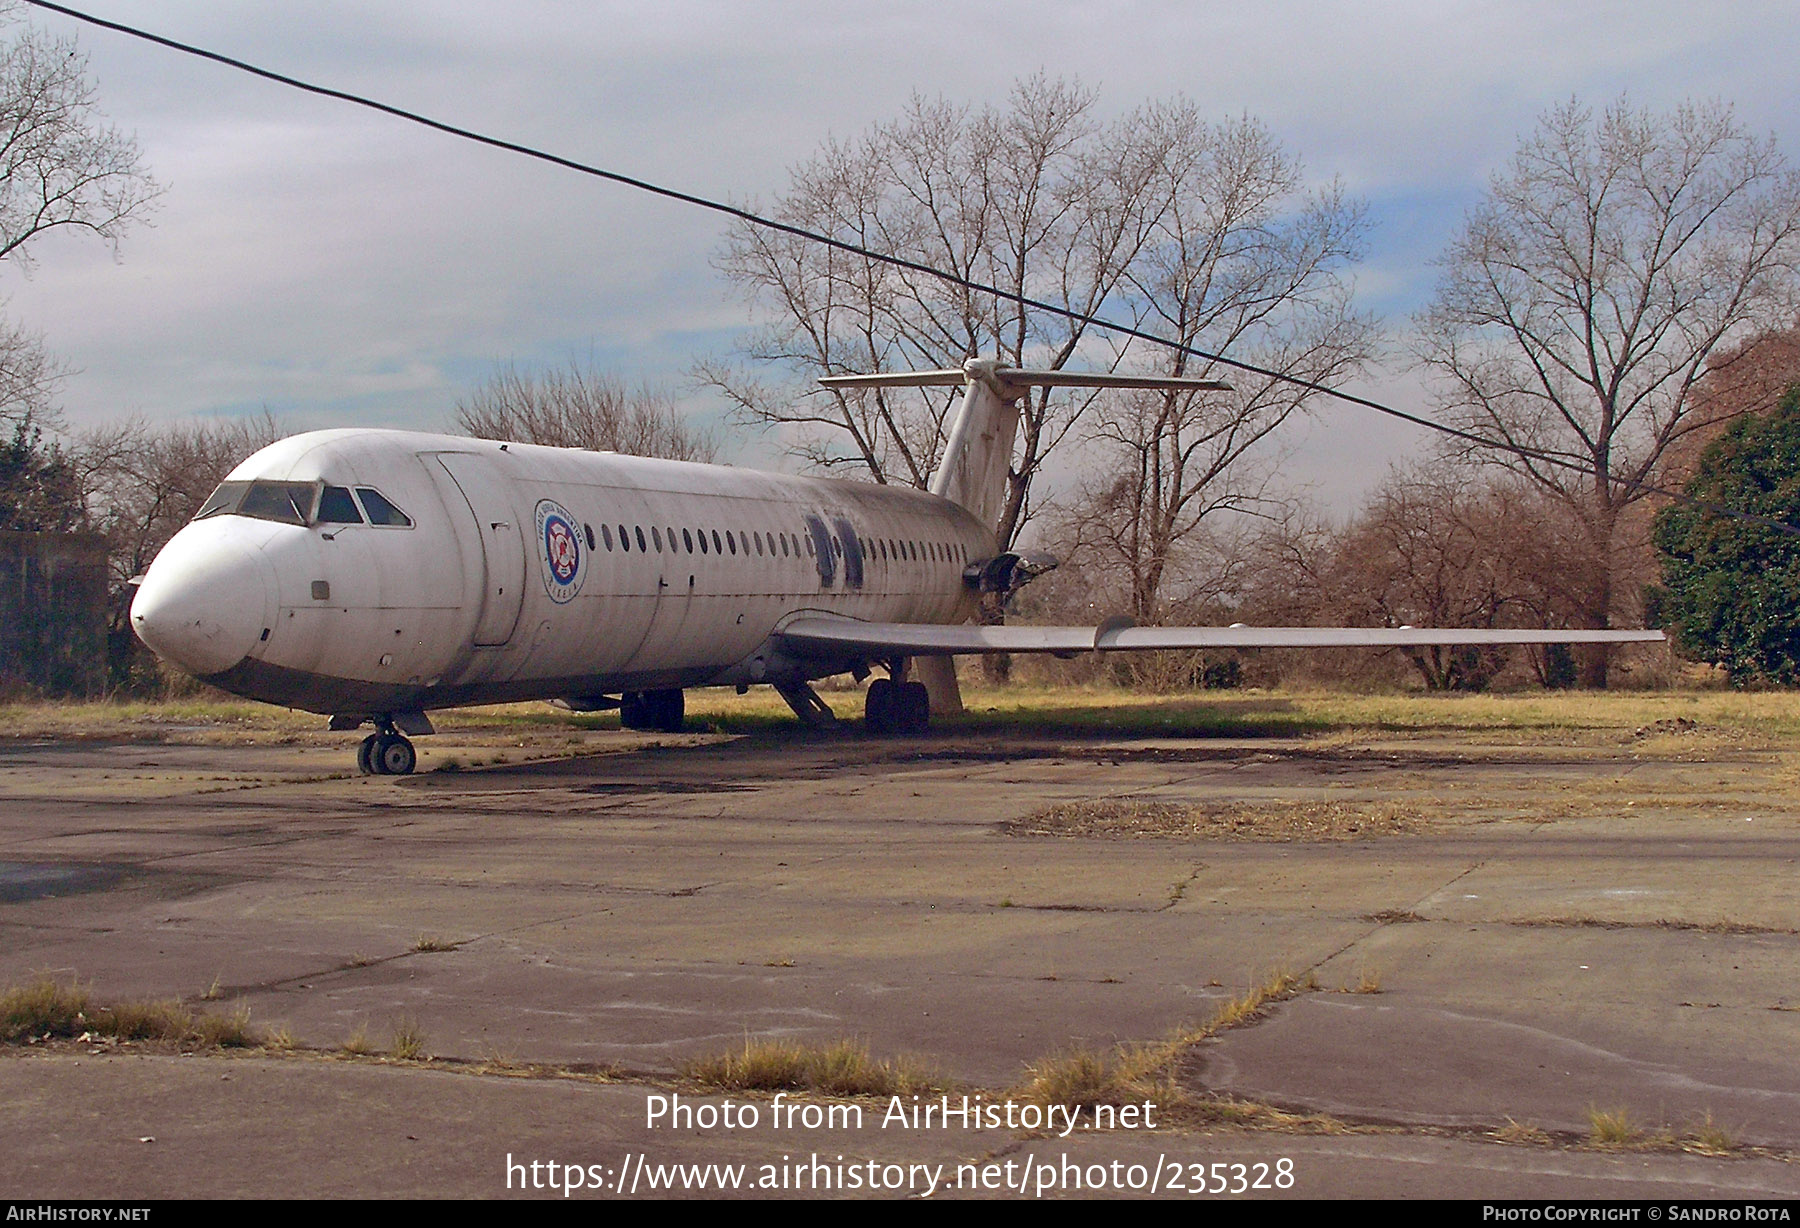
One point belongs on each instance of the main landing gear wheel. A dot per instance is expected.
(662, 711)
(897, 708)
(386, 754)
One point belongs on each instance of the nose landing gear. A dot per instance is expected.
(386, 754)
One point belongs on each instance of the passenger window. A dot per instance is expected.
(718, 546)
(702, 533)
(587, 531)
(643, 545)
(687, 540)
(624, 540)
(337, 507)
(380, 510)
(731, 542)
(606, 535)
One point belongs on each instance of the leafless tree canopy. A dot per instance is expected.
(143, 482)
(61, 167)
(1198, 231)
(1610, 260)
(575, 408)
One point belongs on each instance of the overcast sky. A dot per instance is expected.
(340, 268)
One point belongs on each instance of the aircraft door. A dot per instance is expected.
(484, 488)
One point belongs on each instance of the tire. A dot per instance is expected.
(394, 756)
(632, 713)
(913, 709)
(365, 755)
(668, 710)
(878, 706)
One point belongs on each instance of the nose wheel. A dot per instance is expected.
(386, 754)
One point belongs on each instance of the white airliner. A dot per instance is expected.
(372, 575)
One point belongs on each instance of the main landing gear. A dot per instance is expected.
(661, 711)
(901, 709)
(386, 754)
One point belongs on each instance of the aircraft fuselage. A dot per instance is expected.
(511, 572)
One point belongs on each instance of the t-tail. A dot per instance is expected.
(978, 455)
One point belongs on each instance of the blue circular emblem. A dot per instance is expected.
(559, 549)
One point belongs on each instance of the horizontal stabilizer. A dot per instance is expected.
(1014, 380)
(824, 636)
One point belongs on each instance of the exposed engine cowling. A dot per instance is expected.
(1007, 573)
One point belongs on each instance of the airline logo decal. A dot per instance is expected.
(559, 549)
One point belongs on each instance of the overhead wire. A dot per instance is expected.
(1555, 459)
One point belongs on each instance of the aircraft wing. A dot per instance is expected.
(815, 635)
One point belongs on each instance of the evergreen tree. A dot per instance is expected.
(1731, 586)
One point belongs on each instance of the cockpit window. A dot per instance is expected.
(302, 503)
(288, 502)
(380, 510)
(337, 507)
(223, 500)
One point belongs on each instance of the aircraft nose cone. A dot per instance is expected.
(202, 604)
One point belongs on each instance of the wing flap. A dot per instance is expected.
(827, 636)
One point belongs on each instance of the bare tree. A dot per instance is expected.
(1580, 306)
(140, 483)
(576, 408)
(1039, 199)
(1200, 232)
(62, 167)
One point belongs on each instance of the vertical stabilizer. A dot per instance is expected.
(978, 453)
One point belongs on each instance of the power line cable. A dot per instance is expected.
(1561, 460)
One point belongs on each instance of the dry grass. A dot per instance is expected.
(1708, 1138)
(42, 1008)
(1521, 1133)
(47, 1009)
(427, 943)
(1368, 980)
(1678, 717)
(409, 1041)
(1320, 821)
(1131, 1074)
(1658, 923)
(843, 1068)
(357, 1043)
(1084, 1077)
(1614, 1130)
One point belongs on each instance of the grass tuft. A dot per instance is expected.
(47, 1009)
(1083, 1077)
(357, 1043)
(1708, 1138)
(232, 1031)
(427, 943)
(1520, 1133)
(409, 1041)
(42, 1008)
(1613, 1128)
(1367, 981)
(843, 1068)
